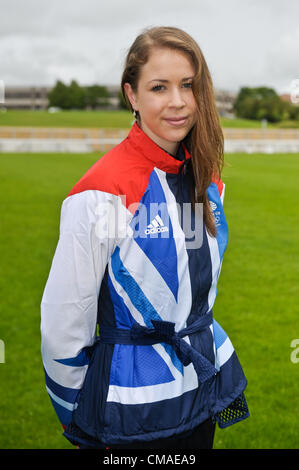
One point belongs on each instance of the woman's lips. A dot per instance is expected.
(178, 121)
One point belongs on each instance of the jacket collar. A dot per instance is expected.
(150, 150)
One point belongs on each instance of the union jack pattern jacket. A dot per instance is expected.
(130, 348)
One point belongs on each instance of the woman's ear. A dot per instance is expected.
(131, 96)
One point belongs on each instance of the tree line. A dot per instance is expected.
(74, 96)
(251, 103)
(264, 103)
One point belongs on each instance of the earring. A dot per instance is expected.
(136, 115)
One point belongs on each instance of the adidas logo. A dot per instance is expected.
(156, 226)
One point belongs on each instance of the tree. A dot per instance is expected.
(67, 97)
(95, 96)
(259, 103)
(76, 95)
(291, 111)
(59, 96)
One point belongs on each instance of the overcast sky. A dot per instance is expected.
(245, 42)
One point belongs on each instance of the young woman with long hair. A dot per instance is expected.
(142, 238)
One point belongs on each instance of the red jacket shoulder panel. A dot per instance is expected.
(219, 184)
(121, 171)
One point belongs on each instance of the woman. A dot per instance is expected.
(137, 257)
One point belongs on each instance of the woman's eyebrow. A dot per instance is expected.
(167, 81)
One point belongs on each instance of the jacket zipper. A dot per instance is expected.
(182, 171)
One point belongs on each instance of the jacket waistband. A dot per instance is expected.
(164, 332)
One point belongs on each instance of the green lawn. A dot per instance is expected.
(100, 119)
(257, 300)
(79, 119)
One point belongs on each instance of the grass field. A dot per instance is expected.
(100, 119)
(257, 300)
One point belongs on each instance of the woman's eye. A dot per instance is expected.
(162, 87)
(157, 88)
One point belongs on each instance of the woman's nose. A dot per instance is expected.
(176, 99)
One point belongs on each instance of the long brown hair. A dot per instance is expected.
(205, 140)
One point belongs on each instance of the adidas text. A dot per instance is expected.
(157, 226)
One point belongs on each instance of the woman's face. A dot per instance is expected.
(164, 97)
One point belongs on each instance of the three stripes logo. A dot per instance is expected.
(156, 226)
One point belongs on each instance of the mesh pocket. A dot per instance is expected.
(235, 412)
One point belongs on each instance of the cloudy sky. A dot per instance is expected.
(245, 42)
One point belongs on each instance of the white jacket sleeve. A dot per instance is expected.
(70, 298)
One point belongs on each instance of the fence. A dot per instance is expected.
(38, 139)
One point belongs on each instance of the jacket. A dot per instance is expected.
(130, 348)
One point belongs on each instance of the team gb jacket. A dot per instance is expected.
(130, 348)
